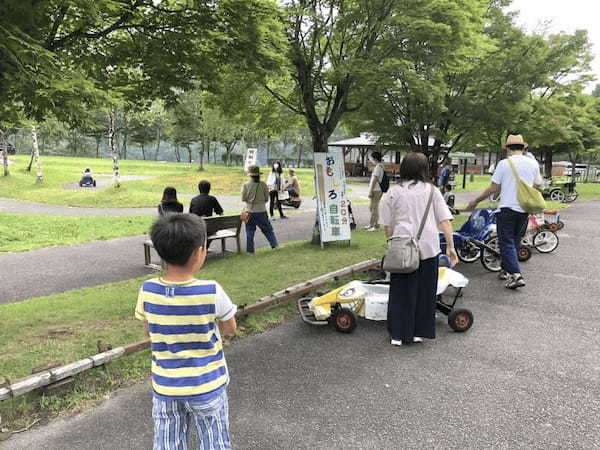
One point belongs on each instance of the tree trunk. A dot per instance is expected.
(98, 138)
(143, 152)
(158, 137)
(189, 149)
(320, 138)
(36, 153)
(299, 155)
(177, 154)
(113, 151)
(28, 168)
(548, 163)
(125, 138)
(4, 145)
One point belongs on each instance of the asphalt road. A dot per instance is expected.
(58, 269)
(525, 376)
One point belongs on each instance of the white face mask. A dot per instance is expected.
(276, 166)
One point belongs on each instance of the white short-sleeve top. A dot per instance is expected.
(402, 210)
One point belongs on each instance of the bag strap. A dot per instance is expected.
(425, 214)
(514, 170)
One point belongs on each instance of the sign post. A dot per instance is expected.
(251, 158)
(332, 205)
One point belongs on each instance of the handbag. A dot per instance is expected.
(531, 200)
(403, 255)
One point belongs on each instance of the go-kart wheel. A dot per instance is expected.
(490, 260)
(545, 241)
(552, 227)
(469, 253)
(344, 320)
(460, 320)
(560, 224)
(557, 195)
(524, 253)
(571, 197)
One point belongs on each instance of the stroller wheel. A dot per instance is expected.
(491, 260)
(468, 253)
(344, 320)
(524, 253)
(460, 320)
(545, 241)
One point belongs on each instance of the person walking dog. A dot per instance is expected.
(255, 194)
(415, 208)
(512, 219)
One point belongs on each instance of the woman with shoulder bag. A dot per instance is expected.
(413, 212)
(255, 194)
(275, 184)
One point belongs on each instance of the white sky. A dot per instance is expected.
(565, 15)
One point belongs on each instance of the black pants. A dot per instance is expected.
(274, 201)
(411, 308)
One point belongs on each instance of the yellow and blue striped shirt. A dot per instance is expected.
(187, 351)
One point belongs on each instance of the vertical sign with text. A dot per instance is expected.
(251, 158)
(330, 182)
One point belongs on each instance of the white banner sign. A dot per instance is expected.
(334, 220)
(251, 158)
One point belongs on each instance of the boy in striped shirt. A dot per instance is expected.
(183, 317)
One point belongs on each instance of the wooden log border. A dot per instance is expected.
(32, 382)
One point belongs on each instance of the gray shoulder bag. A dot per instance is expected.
(403, 252)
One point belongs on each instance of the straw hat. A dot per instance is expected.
(515, 139)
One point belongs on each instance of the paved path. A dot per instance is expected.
(525, 376)
(57, 269)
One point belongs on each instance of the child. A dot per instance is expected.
(181, 316)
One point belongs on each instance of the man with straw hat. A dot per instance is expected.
(512, 219)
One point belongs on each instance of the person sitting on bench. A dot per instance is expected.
(169, 203)
(204, 205)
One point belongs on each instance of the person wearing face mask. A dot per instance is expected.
(275, 183)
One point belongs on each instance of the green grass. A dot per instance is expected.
(480, 183)
(588, 191)
(59, 171)
(20, 232)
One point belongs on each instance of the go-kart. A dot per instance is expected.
(87, 181)
(341, 307)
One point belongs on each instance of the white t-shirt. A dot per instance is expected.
(225, 309)
(402, 210)
(528, 170)
(376, 177)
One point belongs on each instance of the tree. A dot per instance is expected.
(332, 44)
(185, 122)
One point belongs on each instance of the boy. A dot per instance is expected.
(181, 315)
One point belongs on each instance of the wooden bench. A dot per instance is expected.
(219, 228)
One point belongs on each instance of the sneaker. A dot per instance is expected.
(396, 343)
(417, 339)
(515, 282)
(284, 217)
(366, 227)
(503, 275)
(370, 229)
(272, 219)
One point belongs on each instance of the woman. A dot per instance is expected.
(275, 184)
(292, 185)
(255, 194)
(169, 203)
(411, 308)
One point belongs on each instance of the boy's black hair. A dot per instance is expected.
(204, 187)
(177, 236)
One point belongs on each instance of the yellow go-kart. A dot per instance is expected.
(369, 300)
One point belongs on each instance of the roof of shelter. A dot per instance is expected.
(367, 140)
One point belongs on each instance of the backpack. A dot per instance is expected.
(384, 184)
(530, 199)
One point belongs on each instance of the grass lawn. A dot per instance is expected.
(480, 183)
(20, 232)
(588, 191)
(60, 171)
(66, 327)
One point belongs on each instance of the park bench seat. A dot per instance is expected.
(219, 228)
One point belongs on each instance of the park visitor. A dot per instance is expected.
(169, 203)
(512, 219)
(411, 205)
(443, 178)
(375, 191)
(255, 194)
(185, 318)
(292, 184)
(204, 205)
(275, 184)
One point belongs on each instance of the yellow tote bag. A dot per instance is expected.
(530, 199)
